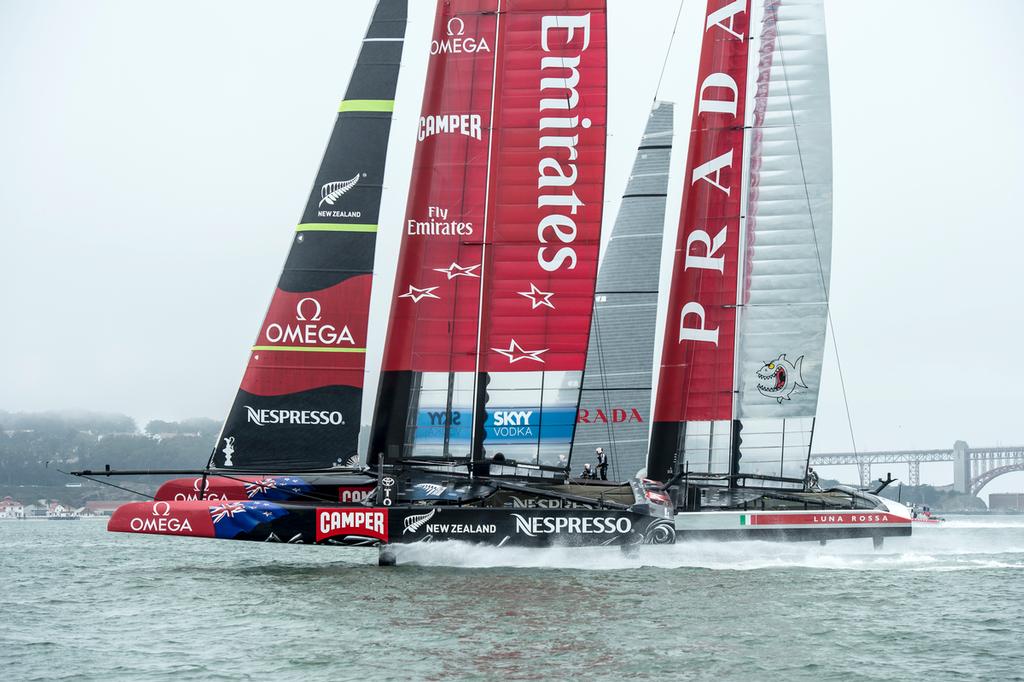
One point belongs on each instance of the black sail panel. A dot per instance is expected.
(298, 407)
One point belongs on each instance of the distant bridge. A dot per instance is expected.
(973, 468)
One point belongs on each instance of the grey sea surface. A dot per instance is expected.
(79, 603)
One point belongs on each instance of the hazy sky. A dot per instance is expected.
(157, 155)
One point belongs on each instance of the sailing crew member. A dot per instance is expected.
(602, 463)
(587, 471)
(812, 479)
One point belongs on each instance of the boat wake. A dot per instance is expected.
(984, 523)
(921, 553)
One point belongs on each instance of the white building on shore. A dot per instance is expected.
(11, 508)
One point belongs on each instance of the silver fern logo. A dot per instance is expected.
(415, 522)
(431, 489)
(332, 191)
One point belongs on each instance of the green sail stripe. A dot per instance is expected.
(366, 105)
(335, 227)
(311, 349)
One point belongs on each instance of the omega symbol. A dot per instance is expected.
(316, 308)
(459, 24)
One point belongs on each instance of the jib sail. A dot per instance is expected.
(741, 363)
(299, 402)
(491, 311)
(615, 408)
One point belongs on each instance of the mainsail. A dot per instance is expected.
(741, 362)
(615, 408)
(299, 402)
(490, 318)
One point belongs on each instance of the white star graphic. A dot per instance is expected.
(538, 297)
(416, 294)
(456, 270)
(515, 353)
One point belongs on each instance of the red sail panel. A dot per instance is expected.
(311, 339)
(434, 314)
(696, 379)
(547, 194)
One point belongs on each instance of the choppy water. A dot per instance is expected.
(80, 603)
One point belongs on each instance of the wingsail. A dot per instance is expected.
(298, 407)
(750, 282)
(490, 319)
(615, 409)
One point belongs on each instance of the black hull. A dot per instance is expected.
(398, 524)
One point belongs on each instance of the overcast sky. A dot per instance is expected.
(157, 155)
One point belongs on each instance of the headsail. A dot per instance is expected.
(299, 402)
(742, 357)
(489, 323)
(615, 410)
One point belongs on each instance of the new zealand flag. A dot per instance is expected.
(277, 488)
(231, 519)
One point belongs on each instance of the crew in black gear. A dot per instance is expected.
(812, 479)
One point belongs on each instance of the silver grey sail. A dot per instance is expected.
(615, 405)
(788, 247)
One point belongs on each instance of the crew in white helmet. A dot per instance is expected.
(602, 463)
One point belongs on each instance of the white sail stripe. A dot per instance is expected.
(790, 210)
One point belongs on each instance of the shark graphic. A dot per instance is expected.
(780, 377)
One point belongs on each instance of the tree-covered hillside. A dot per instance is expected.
(34, 447)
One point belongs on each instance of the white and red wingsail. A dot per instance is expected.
(696, 378)
(491, 312)
(748, 299)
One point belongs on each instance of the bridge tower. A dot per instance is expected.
(914, 473)
(864, 469)
(961, 467)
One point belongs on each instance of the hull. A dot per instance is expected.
(352, 489)
(780, 514)
(297, 523)
(790, 525)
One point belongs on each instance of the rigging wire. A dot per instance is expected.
(668, 50)
(112, 485)
(604, 389)
(814, 233)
